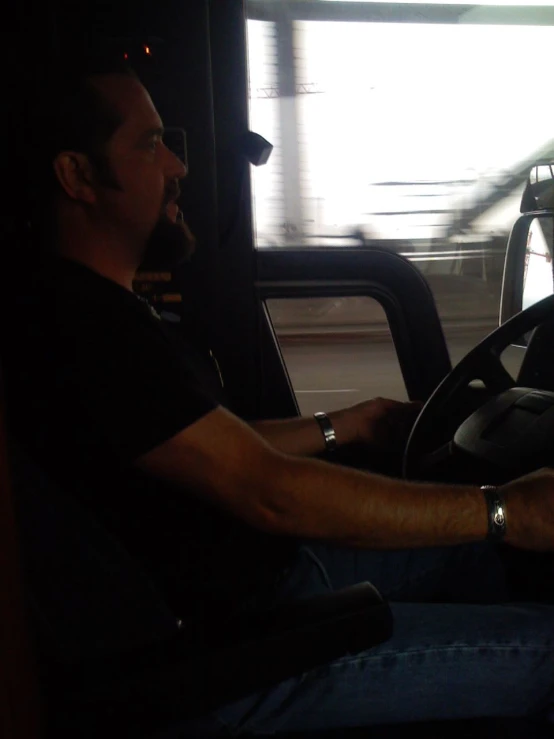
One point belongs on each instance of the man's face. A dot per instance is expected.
(143, 206)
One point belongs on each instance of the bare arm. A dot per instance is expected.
(302, 436)
(225, 461)
(379, 421)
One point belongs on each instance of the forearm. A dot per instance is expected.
(302, 436)
(312, 499)
(221, 460)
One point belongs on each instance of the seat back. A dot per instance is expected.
(87, 596)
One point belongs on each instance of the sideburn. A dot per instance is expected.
(106, 176)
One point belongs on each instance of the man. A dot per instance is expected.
(124, 414)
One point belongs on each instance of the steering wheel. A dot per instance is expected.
(511, 431)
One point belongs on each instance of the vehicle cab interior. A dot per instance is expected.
(284, 287)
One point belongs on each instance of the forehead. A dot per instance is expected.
(130, 99)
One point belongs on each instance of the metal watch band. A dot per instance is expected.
(327, 430)
(496, 513)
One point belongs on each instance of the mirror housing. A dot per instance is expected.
(528, 268)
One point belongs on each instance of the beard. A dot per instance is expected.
(170, 244)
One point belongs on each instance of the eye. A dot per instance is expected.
(154, 142)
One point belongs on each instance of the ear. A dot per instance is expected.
(74, 173)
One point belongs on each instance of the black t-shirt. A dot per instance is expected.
(95, 379)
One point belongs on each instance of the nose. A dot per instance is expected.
(176, 167)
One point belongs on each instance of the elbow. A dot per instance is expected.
(269, 521)
(264, 499)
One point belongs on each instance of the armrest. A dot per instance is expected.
(190, 680)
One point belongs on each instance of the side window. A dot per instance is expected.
(338, 351)
(512, 359)
(544, 173)
(418, 158)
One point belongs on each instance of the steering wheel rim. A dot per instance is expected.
(480, 363)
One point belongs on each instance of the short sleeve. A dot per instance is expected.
(131, 387)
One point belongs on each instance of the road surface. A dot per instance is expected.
(332, 374)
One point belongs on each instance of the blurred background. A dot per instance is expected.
(408, 126)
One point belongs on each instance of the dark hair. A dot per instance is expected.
(67, 112)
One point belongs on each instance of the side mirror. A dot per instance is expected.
(529, 267)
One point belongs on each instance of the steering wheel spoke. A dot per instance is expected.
(492, 372)
(430, 460)
(482, 363)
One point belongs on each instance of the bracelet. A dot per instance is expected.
(327, 430)
(496, 513)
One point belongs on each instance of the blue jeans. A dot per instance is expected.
(478, 658)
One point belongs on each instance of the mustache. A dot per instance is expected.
(172, 193)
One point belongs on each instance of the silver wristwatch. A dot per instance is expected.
(496, 513)
(327, 430)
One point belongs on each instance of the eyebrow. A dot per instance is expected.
(159, 131)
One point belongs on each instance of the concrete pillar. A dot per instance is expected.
(288, 124)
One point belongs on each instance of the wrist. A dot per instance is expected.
(496, 513)
(345, 426)
(517, 511)
(327, 431)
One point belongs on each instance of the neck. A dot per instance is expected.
(104, 255)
